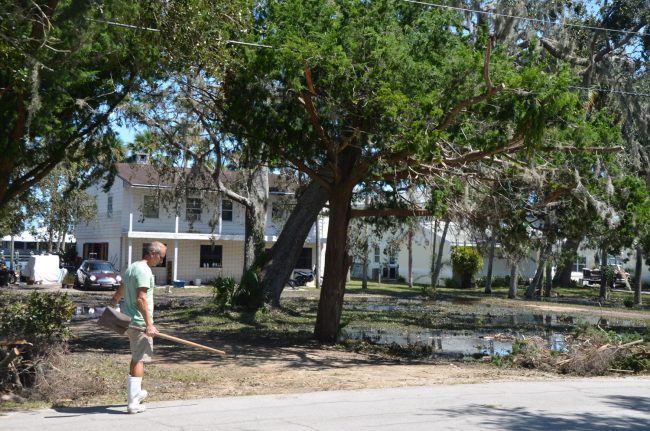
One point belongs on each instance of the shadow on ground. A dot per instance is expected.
(522, 419)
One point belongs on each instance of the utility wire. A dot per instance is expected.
(629, 93)
(605, 90)
(561, 23)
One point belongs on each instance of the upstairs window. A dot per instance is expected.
(392, 258)
(193, 209)
(150, 208)
(109, 207)
(377, 254)
(226, 210)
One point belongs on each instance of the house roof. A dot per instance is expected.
(39, 234)
(145, 175)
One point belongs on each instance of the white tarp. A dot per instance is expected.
(43, 269)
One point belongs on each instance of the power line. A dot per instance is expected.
(562, 23)
(605, 90)
(629, 93)
(119, 24)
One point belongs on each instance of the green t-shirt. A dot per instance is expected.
(138, 275)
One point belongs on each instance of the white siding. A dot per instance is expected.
(103, 228)
(128, 226)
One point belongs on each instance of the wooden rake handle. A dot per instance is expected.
(190, 343)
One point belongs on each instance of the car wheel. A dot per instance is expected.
(12, 279)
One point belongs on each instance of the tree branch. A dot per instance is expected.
(312, 173)
(489, 91)
(306, 99)
(390, 212)
(515, 145)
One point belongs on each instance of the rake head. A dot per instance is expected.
(114, 320)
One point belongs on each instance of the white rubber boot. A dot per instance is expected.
(135, 395)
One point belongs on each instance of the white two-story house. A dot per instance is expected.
(205, 238)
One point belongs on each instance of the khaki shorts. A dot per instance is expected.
(141, 345)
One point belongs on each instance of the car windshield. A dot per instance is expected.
(100, 267)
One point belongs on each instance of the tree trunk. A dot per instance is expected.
(565, 266)
(514, 276)
(50, 239)
(637, 275)
(488, 278)
(286, 251)
(539, 273)
(548, 285)
(255, 218)
(603, 280)
(364, 278)
(410, 250)
(337, 262)
(434, 235)
(441, 247)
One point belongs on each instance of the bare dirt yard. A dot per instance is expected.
(251, 369)
(94, 369)
(255, 366)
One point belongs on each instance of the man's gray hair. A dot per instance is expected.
(151, 248)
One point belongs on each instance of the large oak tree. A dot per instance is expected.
(66, 66)
(353, 92)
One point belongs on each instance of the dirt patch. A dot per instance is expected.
(256, 365)
(257, 368)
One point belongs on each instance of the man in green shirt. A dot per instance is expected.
(137, 288)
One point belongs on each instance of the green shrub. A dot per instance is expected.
(39, 318)
(609, 273)
(628, 302)
(223, 290)
(497, 281)
(466, 262)
(249, 294)
(451, 283)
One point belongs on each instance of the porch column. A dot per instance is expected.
(175, 269)
(317, 269)
(175, 273)
(130, 253)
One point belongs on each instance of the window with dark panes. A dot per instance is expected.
(211, 256)
(109, 207)
(150, 207)
(226, 210)
(193, 209)
(96, 250)
(304, 261)
(377, 254)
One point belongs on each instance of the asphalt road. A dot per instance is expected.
(600, 404)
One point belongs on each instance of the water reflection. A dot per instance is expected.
(558, 343)
(551, 320)
(454, 343)
(86, 313)
(447, 343)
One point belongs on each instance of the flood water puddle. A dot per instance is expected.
(87, 313)
(446, 343)
(487, 318)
